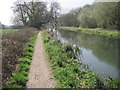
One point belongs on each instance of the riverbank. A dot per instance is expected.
(68, 70)
(109, 33)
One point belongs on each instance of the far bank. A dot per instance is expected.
(108, 33)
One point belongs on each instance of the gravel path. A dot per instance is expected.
(40, 73)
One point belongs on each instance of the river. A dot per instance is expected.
(99, 52)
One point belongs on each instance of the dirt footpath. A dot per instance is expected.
(40, 73)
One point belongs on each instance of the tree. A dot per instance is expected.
(104, 15)
(70, 18)
(30, 14)
(86, 17)
(54, 13)
(2, 26)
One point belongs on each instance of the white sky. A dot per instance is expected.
(6, 11)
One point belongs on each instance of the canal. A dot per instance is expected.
(99, 52)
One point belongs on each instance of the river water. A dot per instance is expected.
(99, 52)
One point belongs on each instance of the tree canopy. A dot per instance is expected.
(104, 15)
(34, 14)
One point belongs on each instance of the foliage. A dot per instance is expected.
(70, 18)
(86, 18)
(103, 15)
(30, 13)
(100, 15)
(54, 13)
(67, 69)
(35, 14)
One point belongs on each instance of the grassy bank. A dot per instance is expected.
(69, 71)
(109, 33)
(19, 76)
(13, 44)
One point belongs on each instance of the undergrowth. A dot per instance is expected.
(20, 77)
(66, 68)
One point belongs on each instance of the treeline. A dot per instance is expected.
(103, 15)
(35, 14)
(2, 26)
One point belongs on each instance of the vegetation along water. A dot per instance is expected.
(70, 71)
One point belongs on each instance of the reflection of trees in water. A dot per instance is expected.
(104, 48)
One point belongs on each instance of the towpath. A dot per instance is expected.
(40, 74)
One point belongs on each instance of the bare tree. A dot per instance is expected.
(30, 13)
(54, 10)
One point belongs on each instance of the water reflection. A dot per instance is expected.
(99, 51)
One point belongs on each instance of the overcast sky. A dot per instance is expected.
(6, 11)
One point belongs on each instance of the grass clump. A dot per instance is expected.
(14, 86)
(29, 49)
(67, 69)
(25, 60)
(19, 78)
(28, 54)
(24, 66)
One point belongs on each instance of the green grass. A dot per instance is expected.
(19, 79)
(25, 60)
(66, 68)
(109, 33)
(7, 31)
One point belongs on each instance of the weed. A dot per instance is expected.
(14, 86)
(29, 49)
(28, 54)
(24, 66)
(19, 78)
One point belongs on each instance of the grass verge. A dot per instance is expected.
(13, 44)
(20, 77)
(109, 33)
(69, 71)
